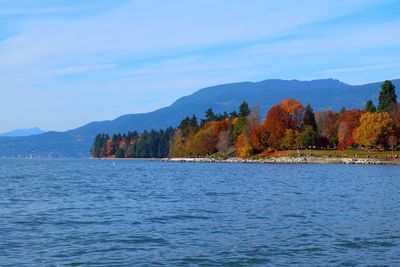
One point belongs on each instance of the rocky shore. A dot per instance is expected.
(293, 160)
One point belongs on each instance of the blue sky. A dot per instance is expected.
(66, 63)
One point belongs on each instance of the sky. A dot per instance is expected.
(64, 63)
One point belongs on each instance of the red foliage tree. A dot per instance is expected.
(348, 122)
(327, 124)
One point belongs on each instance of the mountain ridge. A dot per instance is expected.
(22, 132)
(321, 94)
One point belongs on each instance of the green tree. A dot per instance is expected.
(244, 110)
(210, 116)
(119, 153)
(307, 137)
(369, 107)
(309, 118)
(387, 96)
(289, 140)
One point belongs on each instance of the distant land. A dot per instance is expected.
(321, 94)
(23, 132)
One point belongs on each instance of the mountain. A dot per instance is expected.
(23, 132)
(321, 94)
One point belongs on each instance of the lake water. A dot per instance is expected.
(152, 213)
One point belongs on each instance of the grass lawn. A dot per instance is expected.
(345, 153)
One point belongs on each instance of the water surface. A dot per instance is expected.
(151, 213)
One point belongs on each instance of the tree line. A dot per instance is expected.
(149, 144)
(287, 125)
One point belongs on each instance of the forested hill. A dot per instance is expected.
(321, 94)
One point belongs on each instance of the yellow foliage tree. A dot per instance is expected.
(243, 146)
(289, 140)
(375, 129)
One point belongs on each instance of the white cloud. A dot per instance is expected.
(152, 52)
(84, 68)
(36, 11)
(382, 66)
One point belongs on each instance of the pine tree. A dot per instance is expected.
(244, 110)
(210, 116)
(309, 118)
(369, 107)
(387, 96)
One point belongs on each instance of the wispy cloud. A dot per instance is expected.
(364, 68)
(152, 52)
(84, 68)
(37, 11)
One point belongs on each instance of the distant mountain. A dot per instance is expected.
(321, 94)
(23, 132)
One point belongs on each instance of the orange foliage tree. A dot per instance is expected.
(206, 139)
(109, 148)
(284, 115)
(243, 146)
(252, 138)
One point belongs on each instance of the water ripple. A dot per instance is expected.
(150, 213)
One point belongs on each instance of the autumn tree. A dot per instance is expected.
(276, 123)
(375, 129)
(287, 114)
(387, 96)
(223, 142)
(295, 112)
(348, 121)
(205, 141)
(394, 111)
(178, 144)
(110, 148)
(327, 123)
(251, 138)
(289, 140)
(259, 138)
(243, 146)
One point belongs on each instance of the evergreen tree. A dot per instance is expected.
(210, 116)
(244, 110)
(188, 125)
(119, 153)
(233, 115)
(153, 144)
(96, 149)
(369, 107)
(194, 123)
(309, 118)
(387, 96)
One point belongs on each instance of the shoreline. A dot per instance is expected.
(274, 160)
(293, 160)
